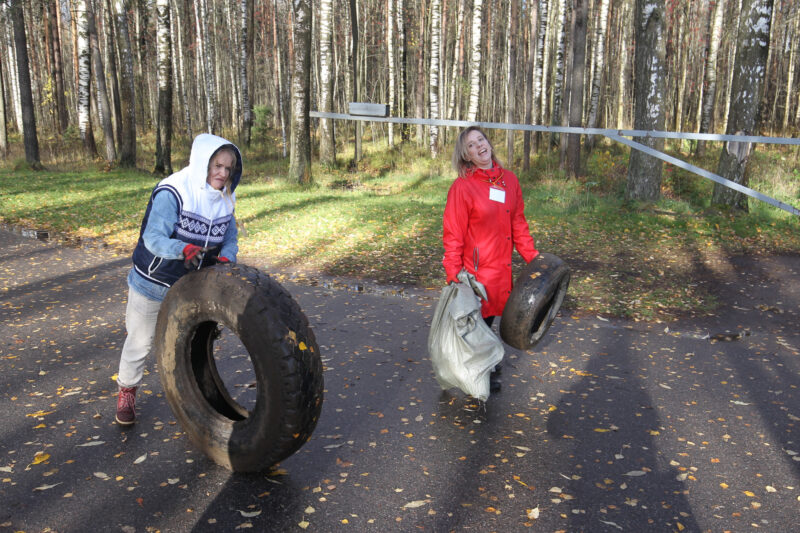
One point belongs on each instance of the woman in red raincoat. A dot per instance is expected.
(484, 219)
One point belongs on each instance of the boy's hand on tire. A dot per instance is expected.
(192, 255)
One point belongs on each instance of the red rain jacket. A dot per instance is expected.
(480, 233)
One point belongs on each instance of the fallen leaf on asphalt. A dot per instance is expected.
(249, 514)
(415, 504)
(40, 458)
(304, 524)
(92, 443)
(533, 514)
(635, 473)
(47, 487)
(40, 413)
(102, 475)
(140, 459)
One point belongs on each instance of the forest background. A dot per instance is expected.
(98, 89)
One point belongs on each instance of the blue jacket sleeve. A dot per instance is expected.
(163, 217)
(230, 243)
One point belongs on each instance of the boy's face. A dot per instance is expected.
(219, 169)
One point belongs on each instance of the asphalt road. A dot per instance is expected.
(606, 426)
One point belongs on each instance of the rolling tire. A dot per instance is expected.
(284, 355)
(537, 296)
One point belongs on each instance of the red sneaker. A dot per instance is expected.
(126, 406)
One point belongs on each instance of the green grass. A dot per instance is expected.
(382, 220)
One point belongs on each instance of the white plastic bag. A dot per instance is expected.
(463, 349)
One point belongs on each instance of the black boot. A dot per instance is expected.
(494, 382)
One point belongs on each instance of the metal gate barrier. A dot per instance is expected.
(379, 113)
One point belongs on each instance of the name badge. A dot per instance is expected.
(497, 195)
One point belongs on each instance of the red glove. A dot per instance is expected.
(221, 259)
(192, 255)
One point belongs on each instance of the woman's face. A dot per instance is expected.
(220, 168)
(479, 152)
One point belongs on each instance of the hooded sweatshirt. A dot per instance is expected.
(184, 209)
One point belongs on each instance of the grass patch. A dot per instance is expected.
(381, 220)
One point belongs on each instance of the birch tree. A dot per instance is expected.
(327, 138)
(354, 81)
(458, 64)
(576, 87)
(30, 137)
(13, 80)
(644, 171)
(599, 66)
(475, 61)
(3, 126)
(748, 78)
(793, 53)
(127, 156)
(533, 19)
(558, 74)
(710, 92)
(84, 84)
(390, 61)
(62, 115)
(433, 94)
(511, 70)
(300, 147)
(247, 112)
(206, 55)
(103, 107)
(164, 117)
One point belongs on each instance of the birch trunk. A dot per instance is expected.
(599, 67)
(58, 76)
(327, 138)
(3, 127)
(127, 92)
(458, 63)
(247, 112)
(541, 75)
(84, 84)
(279, 92)
(390, 18)
(354, 64)
(710, 92)
(300, 149)
(787, 105)
(13, 72)
(30, 137)
(206, 54)
(558, 82)
(644, 171)
(576, 87)
(475, 60)
(164, 117)
(434, 74)
(533, 19)
(113, 74)
(511, 76)
(419, 93)
(103, 108)
(748, 80)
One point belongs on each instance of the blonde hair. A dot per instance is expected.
(461, 164)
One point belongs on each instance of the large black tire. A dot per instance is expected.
(283, 351)
(537, 295)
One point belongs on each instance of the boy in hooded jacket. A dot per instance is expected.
(188, 224)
